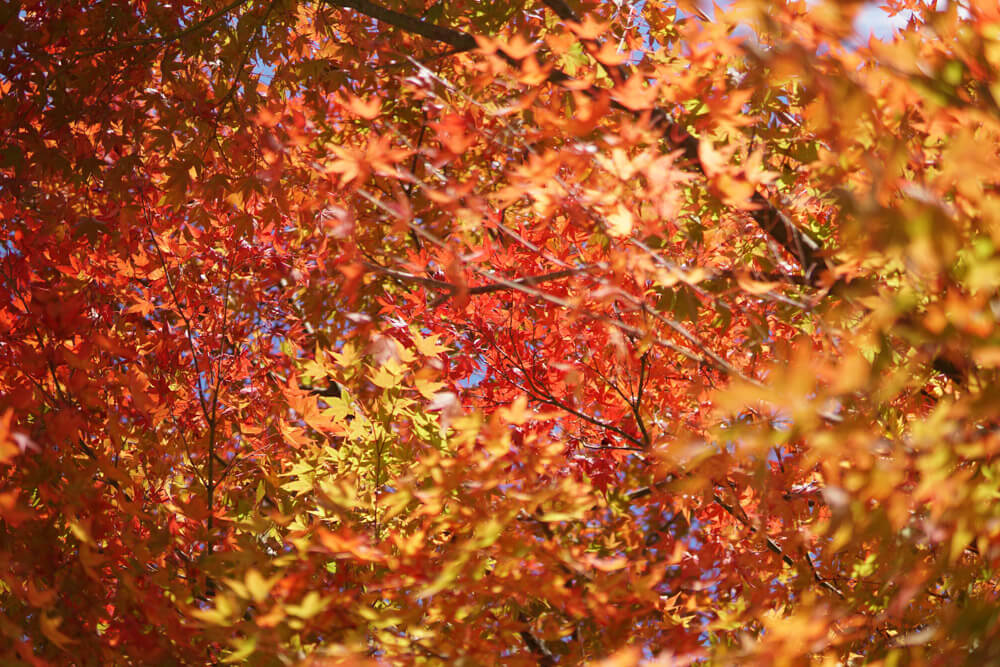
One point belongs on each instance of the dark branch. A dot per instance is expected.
(773, 546)
(535, 645)
(458, 40)
(562, 10)
(769, 219)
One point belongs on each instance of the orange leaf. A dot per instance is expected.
(368, 110)
(637, 94)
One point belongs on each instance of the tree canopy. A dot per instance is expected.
(534, 332)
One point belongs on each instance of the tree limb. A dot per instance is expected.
(458, 40)
(536, 645)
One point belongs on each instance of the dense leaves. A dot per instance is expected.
(538, 332)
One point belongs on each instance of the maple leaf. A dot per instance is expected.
(620, 221)
(470, 329)
(589, 28)
(637, 93)
(369, 110)
(610, 55)
(350, 165)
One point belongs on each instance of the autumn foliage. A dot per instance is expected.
(534, 332)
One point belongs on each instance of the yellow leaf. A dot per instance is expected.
(428, 346)
(383, 378)
(427, 388)
(238, 587)
(220, 614)
(243, 649)
(347, 357)
(620, 222)
(312, 604)
(694, 276)
(258, 586)
(751, 286)
(487, 533)
(960, 539)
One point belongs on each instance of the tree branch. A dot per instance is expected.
(773, 546)
(458, 40)
(774, 223)
(562, 10)
(535, 645)
(449, 289)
